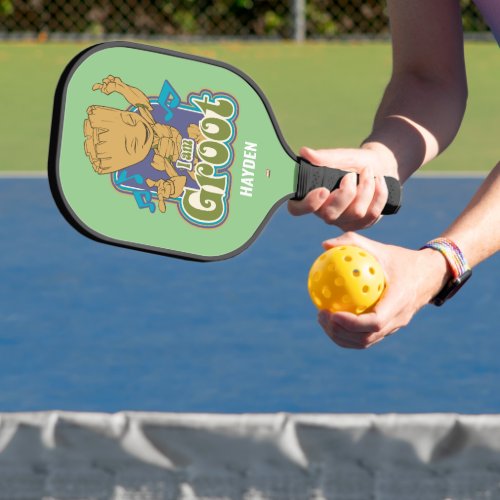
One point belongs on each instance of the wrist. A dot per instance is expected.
(437, 272)
(386, 157)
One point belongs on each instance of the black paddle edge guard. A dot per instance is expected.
(312, 177)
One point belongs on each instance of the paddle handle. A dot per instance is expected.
(312, 177)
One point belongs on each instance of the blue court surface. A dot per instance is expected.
(90, 327)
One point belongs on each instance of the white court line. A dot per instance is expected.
(454, 174)
(26, 174)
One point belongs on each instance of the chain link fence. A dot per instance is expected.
(283, 19)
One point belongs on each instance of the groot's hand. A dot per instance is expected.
(110, 84)
(194, 133)
(133, 95)
(171, 188)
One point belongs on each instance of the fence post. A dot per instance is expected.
(299, 20)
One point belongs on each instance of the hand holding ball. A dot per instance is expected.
(346, 278)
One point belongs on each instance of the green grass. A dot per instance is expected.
(323, 94)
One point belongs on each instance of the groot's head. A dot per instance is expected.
(115, 139)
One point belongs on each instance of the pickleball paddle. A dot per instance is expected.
(171, 153)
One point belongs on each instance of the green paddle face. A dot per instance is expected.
(164, 152)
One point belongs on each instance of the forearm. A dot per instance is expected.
(416, 120)
(134, 96)
(477, 230)
(424, 103)
(137, 98)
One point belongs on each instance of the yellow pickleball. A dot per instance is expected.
(346, 278)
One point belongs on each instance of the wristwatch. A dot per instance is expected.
(460, 270)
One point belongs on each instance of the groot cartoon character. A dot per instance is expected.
(117, 139)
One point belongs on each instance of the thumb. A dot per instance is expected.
(339, 157)
(349, 238)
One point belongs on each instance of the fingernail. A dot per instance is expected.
(323, 194)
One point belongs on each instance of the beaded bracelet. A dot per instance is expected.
(452, 254)
(459, 267)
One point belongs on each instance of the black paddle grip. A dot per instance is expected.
(312, 177)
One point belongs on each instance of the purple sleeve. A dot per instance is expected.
(490, 9)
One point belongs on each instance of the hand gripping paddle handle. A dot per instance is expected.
(312, 177)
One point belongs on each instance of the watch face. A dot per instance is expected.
(451, 288)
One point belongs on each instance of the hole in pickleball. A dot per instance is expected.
(348, 258)
(366, 289)
(317, 276)
(356, 273)
(327, 293)
(359, 310)
(379, 288)
(372, 270)
(346, 299)
(336, 306)
(362, 254)
(339, 281)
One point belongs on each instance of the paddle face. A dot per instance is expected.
(165, 152)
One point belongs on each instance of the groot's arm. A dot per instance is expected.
(133, 95)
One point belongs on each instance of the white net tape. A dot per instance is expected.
(160, 456)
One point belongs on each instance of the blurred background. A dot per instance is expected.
(264, 19)
(341, 64)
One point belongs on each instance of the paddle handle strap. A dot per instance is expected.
(312, 177)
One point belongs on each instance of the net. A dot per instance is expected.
(159, 456)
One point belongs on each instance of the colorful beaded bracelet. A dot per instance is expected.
(460, 269)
